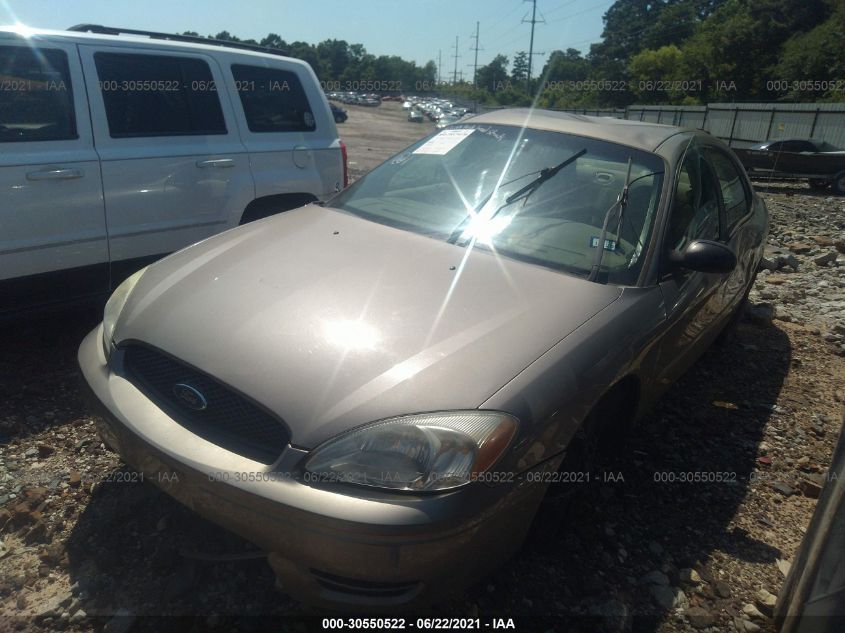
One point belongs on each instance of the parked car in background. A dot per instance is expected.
(446, 120)
(822, 164)
(118, 147)
(340, 115)
(796, 145)
(415, 116)
(411, 362)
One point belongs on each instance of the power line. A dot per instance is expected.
(601, 5)
(560, 6)
(503, 18)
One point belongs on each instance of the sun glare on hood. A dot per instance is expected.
(351, 335)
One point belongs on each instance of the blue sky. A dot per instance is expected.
(413, 29)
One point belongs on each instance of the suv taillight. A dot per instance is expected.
(345, 165)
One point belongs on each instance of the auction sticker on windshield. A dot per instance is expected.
(444, 142)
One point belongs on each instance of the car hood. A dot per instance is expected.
(332, 321)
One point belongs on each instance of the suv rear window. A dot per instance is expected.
(36, 101)
(157, 95)
(273, 100)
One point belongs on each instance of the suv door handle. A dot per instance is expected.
(55, 174)
(216, 162)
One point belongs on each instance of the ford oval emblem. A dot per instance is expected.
(190, 396)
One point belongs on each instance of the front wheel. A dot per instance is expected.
(599, 445)
(839, 183)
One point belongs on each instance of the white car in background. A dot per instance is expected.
(118, 147)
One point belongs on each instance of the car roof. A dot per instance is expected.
(80, 37)
(638, 134)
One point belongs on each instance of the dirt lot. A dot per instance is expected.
(86, 545)
(373, 134)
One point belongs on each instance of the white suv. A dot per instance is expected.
(118, 147)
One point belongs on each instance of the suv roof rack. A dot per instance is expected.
(154, 35)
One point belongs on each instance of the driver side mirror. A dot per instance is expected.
(705, 256)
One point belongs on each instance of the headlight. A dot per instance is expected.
(114, 306)
(423, 452)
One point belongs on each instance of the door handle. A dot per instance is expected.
(216, 162)
(55, 174)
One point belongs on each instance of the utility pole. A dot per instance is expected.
(456, 56)
(439, 64)
(475, 65)
(533, 21)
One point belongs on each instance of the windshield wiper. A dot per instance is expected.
(621, 202)
(545, 174)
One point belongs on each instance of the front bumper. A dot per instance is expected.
(333, 545)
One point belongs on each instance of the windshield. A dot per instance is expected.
(458, 184)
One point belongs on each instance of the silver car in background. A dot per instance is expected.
(374, 391)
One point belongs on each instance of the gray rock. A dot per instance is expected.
(700, 618)
(52, 606)
(784, 489)
(664, 596)
(753, 612)
(760, 313)
(722, 589)
(766, 602)
(616, 615)
(690, 577)
(825, 258)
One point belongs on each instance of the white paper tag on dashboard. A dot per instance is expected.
(444, 142)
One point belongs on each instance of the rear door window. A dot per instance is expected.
(36, 100)
(158, 95)
(695, 210)
(273, 100)
(735, 195)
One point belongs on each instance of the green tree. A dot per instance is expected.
(494, 76)
(651, 71)
(815, 60)
(273, 41)
(519, 73)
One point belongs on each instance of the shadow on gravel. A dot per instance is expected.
(133, 547)
(38, 371)
(137, 549)
(641, 518)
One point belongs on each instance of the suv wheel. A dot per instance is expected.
(839, 183)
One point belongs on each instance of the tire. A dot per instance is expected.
(599, 444)
(728, 333)
(839, 183)
(819, 184)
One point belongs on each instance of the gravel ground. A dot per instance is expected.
(87, 546)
